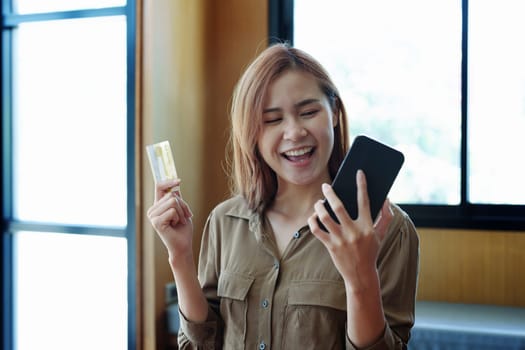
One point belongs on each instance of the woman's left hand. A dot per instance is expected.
(352, 244)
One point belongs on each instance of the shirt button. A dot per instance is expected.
(297, 235)
(276, 265)
(262, 346)
(265, 303)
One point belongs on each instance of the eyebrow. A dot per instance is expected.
(297, 105)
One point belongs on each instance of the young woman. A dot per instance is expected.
(268, 276)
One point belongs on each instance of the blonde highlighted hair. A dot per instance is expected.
(250, 176)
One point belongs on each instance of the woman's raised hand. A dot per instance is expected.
(352, 244)
(170, 216)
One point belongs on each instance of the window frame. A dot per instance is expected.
(465, 215)
(9, 225)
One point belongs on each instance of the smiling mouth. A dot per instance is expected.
(298, 154)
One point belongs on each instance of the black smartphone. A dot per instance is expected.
(380, 163)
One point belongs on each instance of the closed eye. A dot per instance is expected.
(272, 120)
(309, 113)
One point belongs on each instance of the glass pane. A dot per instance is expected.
(397, 65)
(496, 102)
(70, 122)
(39, 6)
(70, 292)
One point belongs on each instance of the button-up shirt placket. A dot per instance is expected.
(267, 292)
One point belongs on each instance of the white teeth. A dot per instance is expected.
(298, 152)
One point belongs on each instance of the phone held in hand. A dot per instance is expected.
(380, 163)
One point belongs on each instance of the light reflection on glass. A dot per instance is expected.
(70, 291)
(39, 6)
(69, 124)
(397, 65)
(496, 102)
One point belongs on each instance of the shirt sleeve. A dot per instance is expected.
(202, 335)
(208, 334)
(398, 266)
(387, 341)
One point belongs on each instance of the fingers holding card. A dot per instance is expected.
(162, 163)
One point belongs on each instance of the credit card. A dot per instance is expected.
(161, 161)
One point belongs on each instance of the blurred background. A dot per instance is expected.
(86, 85)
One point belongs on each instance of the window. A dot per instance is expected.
(68, 246)
(435, 80)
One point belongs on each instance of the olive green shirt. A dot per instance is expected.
(260, 301)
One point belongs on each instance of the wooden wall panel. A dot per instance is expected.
(172, 109)
(192, 53)
(235, 31)
(481, 267)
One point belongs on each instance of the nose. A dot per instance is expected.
(294, 130)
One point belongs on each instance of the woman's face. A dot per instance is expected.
(297, 135)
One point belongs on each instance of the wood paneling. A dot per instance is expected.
(192, 53)
(480, 267)
(235, 31)
(172, 109)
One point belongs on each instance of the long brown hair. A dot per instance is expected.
(250, 176)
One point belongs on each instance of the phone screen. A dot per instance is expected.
(380, 163)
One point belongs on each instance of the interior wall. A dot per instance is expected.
(191, 55)
(193, 52)
(172, 109)
(472, 266)
(234, 31)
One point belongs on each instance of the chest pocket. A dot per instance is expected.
(233, 290)
(315, 316)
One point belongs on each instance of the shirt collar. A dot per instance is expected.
(240, 210)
